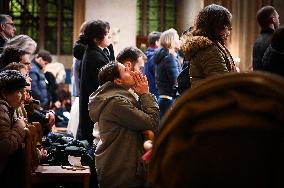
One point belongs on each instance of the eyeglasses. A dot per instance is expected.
(11, 24)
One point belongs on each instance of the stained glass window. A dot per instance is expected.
(48, 22)
(155, 15)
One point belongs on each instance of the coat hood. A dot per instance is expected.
(160, 54)
(79, 50)
(99, 99)
(192, 44)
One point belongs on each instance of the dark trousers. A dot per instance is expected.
(164, 105)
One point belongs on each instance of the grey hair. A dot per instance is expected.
(22, 43)
(3, 18)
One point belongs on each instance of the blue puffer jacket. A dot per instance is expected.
(39, 88)
(149, 71)
(167, 71)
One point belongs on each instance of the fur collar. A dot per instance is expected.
(192, 44)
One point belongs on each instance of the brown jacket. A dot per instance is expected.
(121, 120)
(12, 134)
(207, 58)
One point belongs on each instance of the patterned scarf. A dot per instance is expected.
(228, 58)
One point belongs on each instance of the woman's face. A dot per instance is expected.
(15, 98)
(177, 42)
(106, 40)
(25, 60)
(225, 33)
(24, 72)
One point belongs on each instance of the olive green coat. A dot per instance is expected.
(206, 58)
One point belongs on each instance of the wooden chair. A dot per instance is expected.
(31, 154)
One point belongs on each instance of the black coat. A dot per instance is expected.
(273, 61)
(260, 45)
(94, 58)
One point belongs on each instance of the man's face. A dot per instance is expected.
(276, 21)
(41, 62)
(8, 28)
(126, 76)
(139, 65)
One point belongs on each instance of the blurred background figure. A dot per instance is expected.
(150, 66)
(39, 83)
(167, 70)
(273, 59)
(268, 20)
(7, 30)
(58, 71)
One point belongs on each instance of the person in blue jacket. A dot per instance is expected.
(150, 66)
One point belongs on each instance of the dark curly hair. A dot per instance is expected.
(14, 66)
(211, 20)
(96, 29)
(109, 72)
(11, 55)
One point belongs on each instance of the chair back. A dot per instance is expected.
(31, 154)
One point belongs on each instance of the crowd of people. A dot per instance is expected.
(23, 103)
(126, 105)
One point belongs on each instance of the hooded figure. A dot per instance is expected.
(121, 121)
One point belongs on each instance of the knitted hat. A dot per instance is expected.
(12, 80)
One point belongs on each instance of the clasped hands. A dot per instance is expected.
(141, 83)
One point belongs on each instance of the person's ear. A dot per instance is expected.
(97, 41)
(2, 27)
(128, 65)
(117, 81)
(157, 43)
(38, 59)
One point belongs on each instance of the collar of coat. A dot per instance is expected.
(192, 44)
